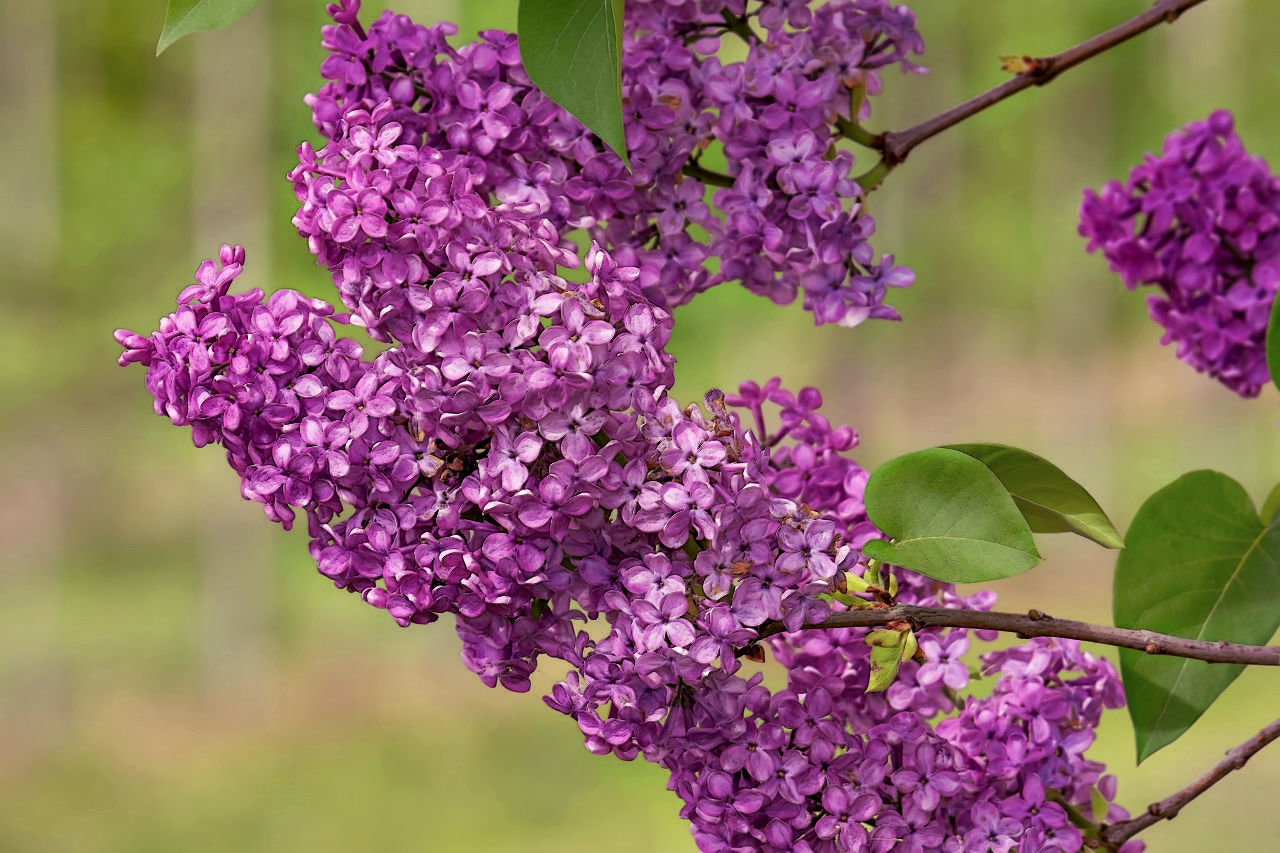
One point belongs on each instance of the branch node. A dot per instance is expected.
(1029, 66)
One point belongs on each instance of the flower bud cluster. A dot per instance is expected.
(787, 216)
(1201, 223)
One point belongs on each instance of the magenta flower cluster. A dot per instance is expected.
(788, 217)
(1200, 222)
(515, 458)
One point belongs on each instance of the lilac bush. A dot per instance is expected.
(515, 457)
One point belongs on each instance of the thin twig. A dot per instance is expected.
(1167, 809)
(895, 145)
(1037, 624)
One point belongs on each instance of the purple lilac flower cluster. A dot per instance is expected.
(1201, 222)
(788, 217)
(515, 459)
(823, 766)
(270, 381)
(645, 545)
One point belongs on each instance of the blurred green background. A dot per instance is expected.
(173, 673)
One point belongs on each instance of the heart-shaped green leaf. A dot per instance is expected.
(1273, 343)
(184, 17)
(950, 517)
(1198, 563)
(1050, 501)
(572, 50)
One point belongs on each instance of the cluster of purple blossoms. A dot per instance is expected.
(270, 381)
(1201, 222)
(786, 216)
(581, 514)
(515, 458)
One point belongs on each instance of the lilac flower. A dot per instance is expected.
(944, 660)
(692, 451)
(992, 832)
(369, 398)
(552, 506)
(508, 458)
(808, 549)
(663, 623)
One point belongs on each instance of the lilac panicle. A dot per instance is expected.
(789, 220)
(559, 503)
(515, 457)
(1201, 223)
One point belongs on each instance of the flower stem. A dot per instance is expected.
(871, 179)
(854, 132)
(693, 169)
(740, 27)
(1091, 829)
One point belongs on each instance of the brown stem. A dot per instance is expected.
(897, 144)
(1038, 624)
(1167, 809)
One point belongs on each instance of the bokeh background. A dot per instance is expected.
(174, 675)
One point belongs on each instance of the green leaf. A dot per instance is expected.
(887, 651)
(184, 17)
(884, 668)
(885, 638)
(572, 50)
(1271, 505)
(951, 518)
(1198, 563)
(1099, 805)
(1273, 343)
(1050, 501)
